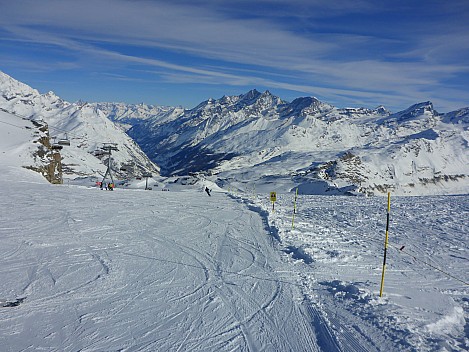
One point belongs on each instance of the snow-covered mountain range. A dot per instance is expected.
(259, 140)
(81, 125)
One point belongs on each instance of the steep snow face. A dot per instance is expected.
(85, 126)
(25, 143)
(11, 88)
(256, 135)
(19, 140)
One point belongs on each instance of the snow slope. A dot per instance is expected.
(132, 270)
(17, 144)
(336, 247)
(23, 143)
(94, 270)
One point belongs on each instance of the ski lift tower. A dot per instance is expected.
(108, 148)
(147, 175)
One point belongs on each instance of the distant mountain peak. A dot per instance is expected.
(305, 102)
(458, 116)
(258, 137)
(251, 95)
(421, 107)
(10, 87)
(382, 110)
(418, 110)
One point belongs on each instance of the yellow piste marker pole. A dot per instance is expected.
(294, 210)
(273, 199)
(385, 245)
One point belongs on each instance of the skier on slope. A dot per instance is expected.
(208, 191)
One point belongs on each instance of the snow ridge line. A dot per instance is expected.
(272, 230)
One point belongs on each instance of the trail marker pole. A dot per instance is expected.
(273, 199)
(294, 210)
(385, 245)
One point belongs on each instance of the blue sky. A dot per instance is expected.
(181, 52)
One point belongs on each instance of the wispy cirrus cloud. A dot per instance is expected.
(315, 47)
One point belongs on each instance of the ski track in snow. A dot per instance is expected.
(142, 271)
(336, 246)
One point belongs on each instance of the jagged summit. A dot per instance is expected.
(418, 110)
(11, 88)
(382, 110)
(302, 103)
(253, 94)
(460, 116)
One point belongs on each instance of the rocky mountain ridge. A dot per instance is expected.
(83, 126)
(314, 145)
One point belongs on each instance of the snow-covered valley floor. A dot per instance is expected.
(132, 270)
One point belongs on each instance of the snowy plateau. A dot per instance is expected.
(176, 269)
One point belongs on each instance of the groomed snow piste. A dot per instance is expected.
(132, 270)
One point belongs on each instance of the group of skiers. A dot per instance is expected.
(109, 186)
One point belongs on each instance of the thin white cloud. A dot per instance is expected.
(191, 42)
(187, 29)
